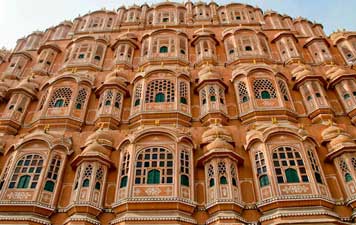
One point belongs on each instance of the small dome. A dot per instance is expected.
(331, 132)
(101, 137)
(95, 148)
(28, 85)
(334, 72)
(208, 73)
(219, 143)
(216, 131)
(115, 77)
(301, 71)
(341, 139)
(4, 87)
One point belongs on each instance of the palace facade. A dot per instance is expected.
(193, 113)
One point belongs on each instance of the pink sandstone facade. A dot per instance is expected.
(179, 114)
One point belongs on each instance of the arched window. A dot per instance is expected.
(261, 169)
(153, 177)
(138, 92)
(212, 94)
(59, 103)
(183, 92)
(118, 100)
(24, 181)
(222, 172)
(61, 97)
(81, 98)
(348, 177)
(289, 165)
(184, 167)
(184, 180)
(97, 186)
(264, 89)
(211, 176)
(108, 98)
(27, 172)
(123, 182)
(160, 91)
(265, 95)
(152, 164)
(264, 181)
(243, 94)
(159, 97)
(87, 175)
(283, 88)
(49, 186)
(99, 178)
(233, 175)
(203, 97)
(163, 49)
(86, 183)
(346, 96)
(292, 175)
(223, 180)
(52, 173)
(345, 170)
(315, 166)
(248, 48)
(125, 163)
(5, 172)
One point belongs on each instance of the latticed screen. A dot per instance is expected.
(124, 169)
(345, 170)
(243, 94)
(289, 166)
(154, 166)
(264, 89)
(52, 174)
(261, 169)
(160, 91)
(184, 167)
(82, 95)
(27, 172)
(61, 97)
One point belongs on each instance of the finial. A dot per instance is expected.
(330, 122)
(46, 129)
(254, 61)
(274, 120)
(157, 122)
(162, 64)
(101, 125)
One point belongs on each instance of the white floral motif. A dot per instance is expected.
(152, 191)
(19, 195)
(295, 189)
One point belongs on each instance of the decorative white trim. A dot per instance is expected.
(224, 201)
(225, 216)
(88, 204)
(24, 217)
(155, 199)
(27, 203)
(83, 217)
(179, 218)
(301, 212)
(294, 197)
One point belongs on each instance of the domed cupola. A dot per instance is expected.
(92, 167)
(343, 80)
(311, 86)
(337, 140)
(20, 98)
(211, 89)
(216, 131)
(111, 93)
(220, 162)
(342, 153)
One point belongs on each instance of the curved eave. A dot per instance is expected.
(51, 46)
(102, 87)
(218, 153)
(311, 40)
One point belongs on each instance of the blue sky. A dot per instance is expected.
(20, 17)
